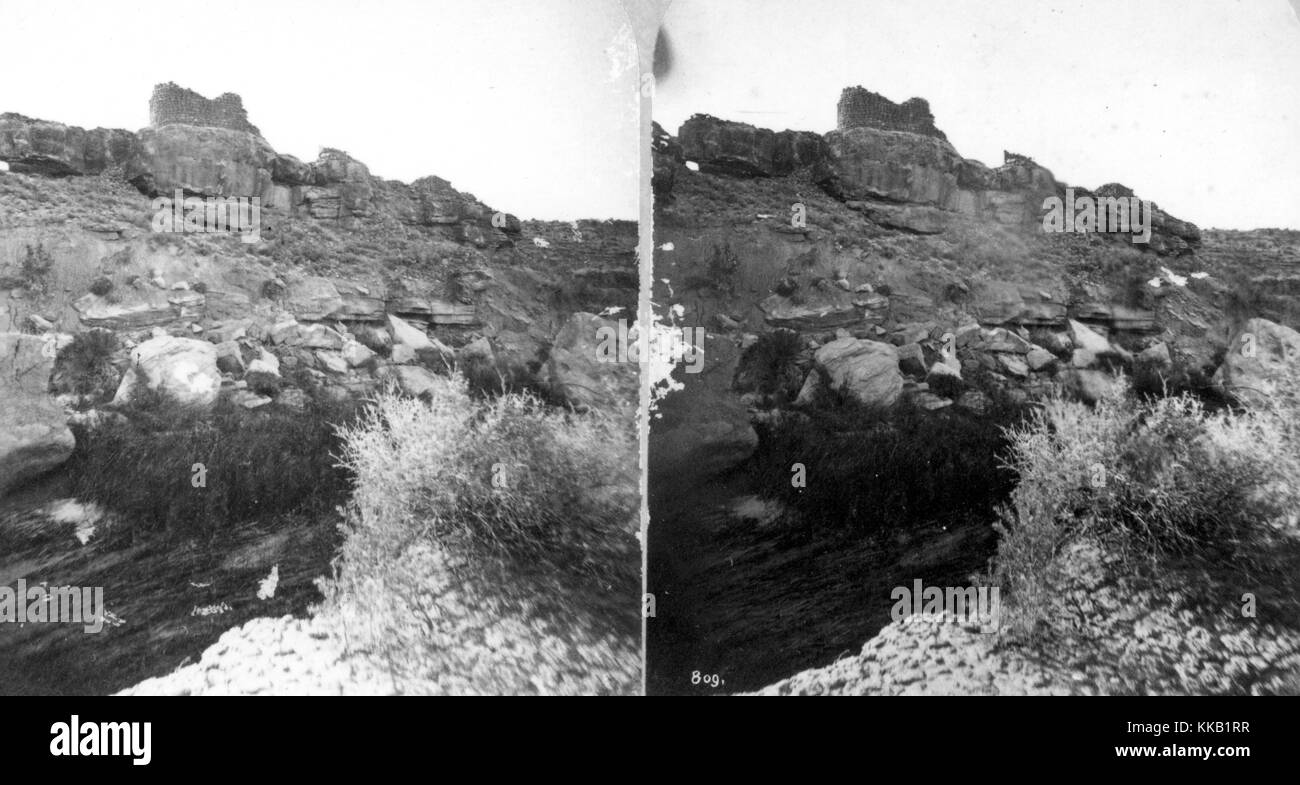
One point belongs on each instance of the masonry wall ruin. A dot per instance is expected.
(861, 108)
(172, 104)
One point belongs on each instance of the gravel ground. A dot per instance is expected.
(1114, 639)
(284, 656)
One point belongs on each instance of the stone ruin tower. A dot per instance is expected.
(861, 108)
(172, 104)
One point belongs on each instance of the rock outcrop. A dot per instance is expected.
(47, 148)
(667, 157)
(891, 162)
(201, 161)
(582, 370)
(821, 309)
(834, 264)
(314, 310)
(34, 436)
(208, 148)
(1263, 359)
(868, 163)
(737, 148)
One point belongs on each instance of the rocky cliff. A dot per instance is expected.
(881, 231)
(343, 256)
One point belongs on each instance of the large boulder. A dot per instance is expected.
(406, 334)
(34, 435)
(410, 343)
(1040, 359)
(183, 369)
(865, 370)
(581, 371)
(1263, 357)
(1089, 345)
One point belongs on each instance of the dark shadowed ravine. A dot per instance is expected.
(755, 603)
(173, 596)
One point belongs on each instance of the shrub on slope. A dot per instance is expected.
(1205, 501)
(491, 544)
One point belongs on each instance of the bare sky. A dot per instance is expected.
(1193, 103)
(530, 106)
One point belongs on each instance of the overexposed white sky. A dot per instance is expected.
(530, 105)
(1193, 103)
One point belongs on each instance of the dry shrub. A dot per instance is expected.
(1180, 493)
(491, 543)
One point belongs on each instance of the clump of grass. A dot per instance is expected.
(163, 466)
(264, 383)
(885, 468)
(771, 365)
(85, 366)
(947, 386)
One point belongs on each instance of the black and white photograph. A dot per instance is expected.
(300, 390)
(996, 311)
(647, 348)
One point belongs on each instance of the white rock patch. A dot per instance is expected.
(266, 589)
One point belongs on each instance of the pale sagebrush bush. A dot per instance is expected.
(443, 574)
(1055, 453)
(1267, 438)
(1160, 482)
(429, 467)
